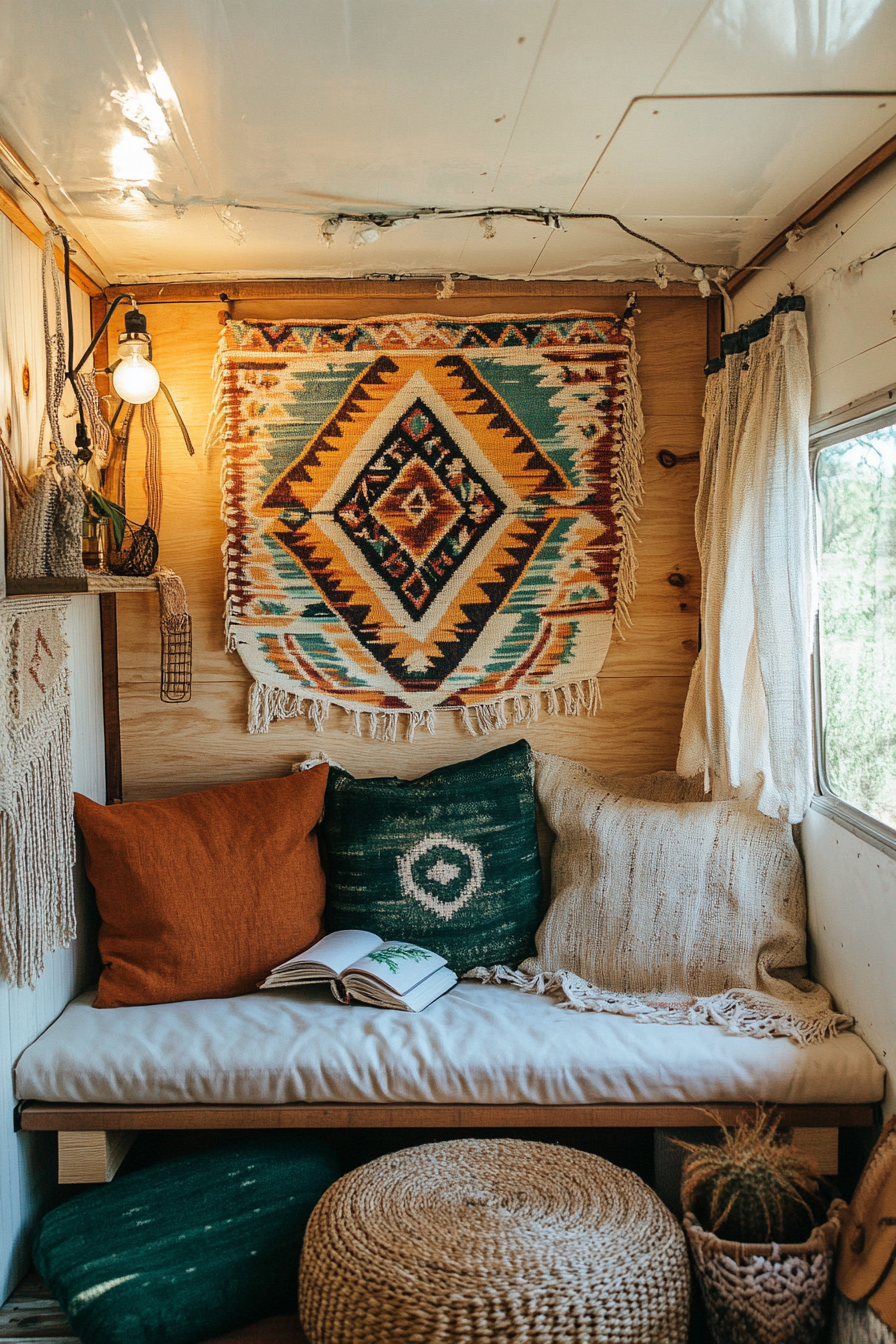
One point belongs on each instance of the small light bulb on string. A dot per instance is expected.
(232, 227)
(703, 285)
(327, 230)
(135, 379)
(446, 288)
(794, 237)
(488, 227)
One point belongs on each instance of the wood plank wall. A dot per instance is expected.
(167, 749)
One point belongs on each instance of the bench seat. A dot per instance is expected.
(480, 1045)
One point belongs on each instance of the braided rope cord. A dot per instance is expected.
(152, 471)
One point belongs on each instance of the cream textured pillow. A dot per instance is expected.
(658, 897)
(672, 911)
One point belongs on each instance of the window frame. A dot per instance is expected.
(859, 417)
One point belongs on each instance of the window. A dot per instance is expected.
(855, 479)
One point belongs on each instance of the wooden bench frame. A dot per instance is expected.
(93, 1140)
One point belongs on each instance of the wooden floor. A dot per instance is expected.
(31, 1316)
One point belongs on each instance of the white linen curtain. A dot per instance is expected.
(748, 717)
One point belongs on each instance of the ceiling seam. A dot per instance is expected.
(690, 33)
(541, 253)
(535, 64)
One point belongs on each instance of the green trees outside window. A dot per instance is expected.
(856, 485)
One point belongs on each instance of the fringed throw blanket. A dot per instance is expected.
(427, 514)
(672, 911)
(805, 1015)
(37, 830)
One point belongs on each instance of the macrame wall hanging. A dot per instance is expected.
(37, 832)
(427, 514)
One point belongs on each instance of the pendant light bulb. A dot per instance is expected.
(135, 379)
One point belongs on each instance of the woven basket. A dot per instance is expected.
(766, 1293)
(493, 1241)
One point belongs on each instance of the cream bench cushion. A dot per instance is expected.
(480, 1044)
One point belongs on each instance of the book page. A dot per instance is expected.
(363, 990)
(335, 951)
(398, 965)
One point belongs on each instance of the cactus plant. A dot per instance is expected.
(753, 1186)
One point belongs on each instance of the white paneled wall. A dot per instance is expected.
(27, 1162)
(852, 931)
(851, 310)
(22, 346)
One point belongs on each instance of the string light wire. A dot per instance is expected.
(379, 222)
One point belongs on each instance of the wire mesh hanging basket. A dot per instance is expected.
(138, 554)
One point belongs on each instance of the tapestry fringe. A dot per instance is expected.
(628, 486)
(268, 704)
(216, 428)
(37, 853)
(740, 1012)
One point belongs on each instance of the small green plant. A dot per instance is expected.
(753, 1186)
(101, 507)
(390, 956)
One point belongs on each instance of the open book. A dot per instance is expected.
(361, 966)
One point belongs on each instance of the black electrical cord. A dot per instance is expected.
(82, 439)
(98, 334)
(84, 451)
(531, 214)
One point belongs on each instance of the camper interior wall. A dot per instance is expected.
(27, 1166)
(850, 310)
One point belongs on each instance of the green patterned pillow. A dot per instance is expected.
(187, 1249)
(449, 861)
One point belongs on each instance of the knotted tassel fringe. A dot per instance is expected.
(267, 704)
(740, 1012)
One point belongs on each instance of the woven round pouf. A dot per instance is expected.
(494, 1241)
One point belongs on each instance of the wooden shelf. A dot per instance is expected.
(94, 581)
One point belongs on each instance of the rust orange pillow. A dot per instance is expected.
(200, 895)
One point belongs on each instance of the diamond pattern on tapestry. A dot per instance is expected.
(427, 514)
(417, 509)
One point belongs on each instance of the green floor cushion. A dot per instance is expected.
(189, 1248)
(449, 861)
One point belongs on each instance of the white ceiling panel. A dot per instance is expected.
(208, 107)
(778, 46)
(598, 250)
(395, 102)
(580, 89)
(731, 157)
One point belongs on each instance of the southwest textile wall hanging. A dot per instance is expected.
(37, 829)
(427, 514)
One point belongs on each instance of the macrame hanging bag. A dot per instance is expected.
(46, 539)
